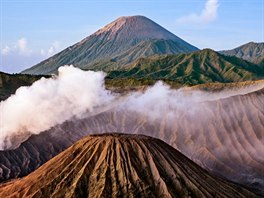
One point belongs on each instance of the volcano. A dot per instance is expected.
(222, 135)
(119, 165)
(124, 40)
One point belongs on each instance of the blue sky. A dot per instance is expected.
(33, 30)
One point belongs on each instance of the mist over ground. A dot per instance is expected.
(222, 131)
(75, 94)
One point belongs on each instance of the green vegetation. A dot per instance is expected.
(128, 84)
(191, 69)
(206, 68)
(253, 52)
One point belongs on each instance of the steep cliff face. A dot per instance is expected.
(118, 165)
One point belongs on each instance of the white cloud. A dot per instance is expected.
(6, 50)
(52, 49)
(208, 14)
(20, 55)
(56, 44)
(22, 46)
(42, 52)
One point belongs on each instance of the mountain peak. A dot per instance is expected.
(134, 17)
(124, 40)
(136, 27)
(253, 43)
(118, 165)
(252, 51)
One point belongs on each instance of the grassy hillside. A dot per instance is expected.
(253, 52)
(191, 69)
(196, 68)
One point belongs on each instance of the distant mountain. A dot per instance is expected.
(118, 165)
(124, 40)
(253, 52)
(195, 68)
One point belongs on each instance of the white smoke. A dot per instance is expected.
(161, 100)
(207, 15)
(51, 101)
(75, 94)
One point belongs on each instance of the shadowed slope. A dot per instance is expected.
(116, 165)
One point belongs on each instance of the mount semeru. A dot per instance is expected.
(124, 40)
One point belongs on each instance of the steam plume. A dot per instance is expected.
(75, 94)
(51, 101)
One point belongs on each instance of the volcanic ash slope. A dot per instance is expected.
(118, 165)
